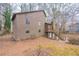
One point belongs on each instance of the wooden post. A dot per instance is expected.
(53, 35)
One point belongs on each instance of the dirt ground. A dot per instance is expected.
(30, 47)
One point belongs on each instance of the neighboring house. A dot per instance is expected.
(74, 27)
(29, 24)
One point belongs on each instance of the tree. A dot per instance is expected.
(72, 11)
(60, 16)
(7, 16)
(56, 14)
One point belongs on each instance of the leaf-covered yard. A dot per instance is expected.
(39, 46)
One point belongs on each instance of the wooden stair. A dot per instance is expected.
(58, 37)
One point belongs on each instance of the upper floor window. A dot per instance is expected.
(27, 20)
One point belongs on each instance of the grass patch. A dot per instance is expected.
(67, 50)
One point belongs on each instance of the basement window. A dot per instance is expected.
(39, 30)
(27, 31)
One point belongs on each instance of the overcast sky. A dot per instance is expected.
(16, 8)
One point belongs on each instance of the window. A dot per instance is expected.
(39, 30)
(27, 31)
(27, 20)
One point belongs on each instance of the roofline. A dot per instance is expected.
(14, 15)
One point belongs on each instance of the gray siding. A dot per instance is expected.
(37, 22)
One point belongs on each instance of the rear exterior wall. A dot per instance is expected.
(35, 28)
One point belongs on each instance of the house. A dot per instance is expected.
(29, 24)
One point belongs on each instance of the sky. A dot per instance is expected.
(17, 9)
